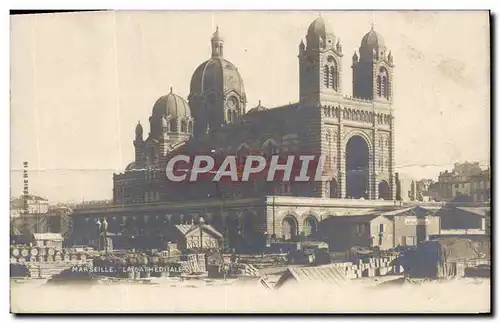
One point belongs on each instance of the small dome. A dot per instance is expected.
(217, 74)
(258, 108)
(319, 28)
(373, 40)
(216, 36)
(171, 105)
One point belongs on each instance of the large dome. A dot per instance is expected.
(217, 74)
(171, 105)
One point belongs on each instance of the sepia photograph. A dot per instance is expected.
(244, 161)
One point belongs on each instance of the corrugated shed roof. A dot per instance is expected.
(184, 229)
(322, 274)
(353, 219)
(48, 236)
(475, 210)
(413, 211)
(397, 212)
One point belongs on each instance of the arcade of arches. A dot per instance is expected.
(292, 232)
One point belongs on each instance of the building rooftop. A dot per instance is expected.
(48, 236)
(185, 229)
(475, 210)
(322, 274)
(353, 219)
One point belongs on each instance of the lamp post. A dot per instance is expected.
(102, 231)
(99, 225)
(105, 235)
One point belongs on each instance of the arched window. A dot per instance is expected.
(329, 145)
(190, 127)
(173, 125)
(327, 76)
(229, 116)
(331, 74)
(383, 84)
(379, 85)
(183, 126)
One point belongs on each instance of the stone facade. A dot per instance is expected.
(244, 222)
(356, 133)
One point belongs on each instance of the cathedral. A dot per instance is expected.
(355, 132)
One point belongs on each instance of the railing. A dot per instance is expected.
(442, 204)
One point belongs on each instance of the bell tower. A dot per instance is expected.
(372, 70)
(320, 65)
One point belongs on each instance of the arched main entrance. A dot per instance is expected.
(290, 227)
(310, 226)
(383, 190)
(357, 168)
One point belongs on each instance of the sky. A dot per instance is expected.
(80, 82)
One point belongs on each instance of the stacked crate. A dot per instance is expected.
(369, 267)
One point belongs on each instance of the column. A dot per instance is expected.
(225, 231)
(371, 176)
(376, 157)
(392, 160)
(341, 182)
